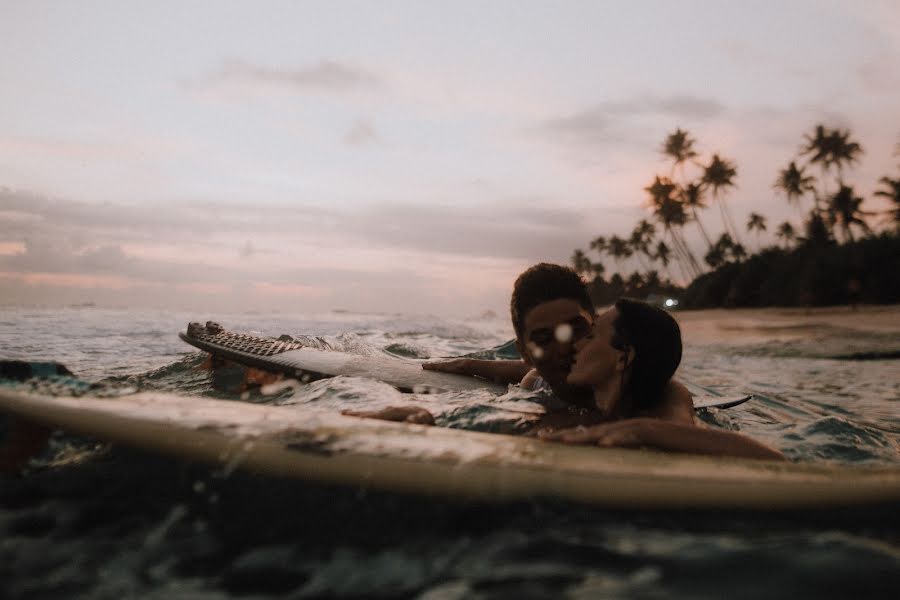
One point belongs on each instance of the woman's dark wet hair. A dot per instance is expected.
(545, 282)
(656, 340)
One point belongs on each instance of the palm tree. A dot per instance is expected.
(720, 251)
(640, 240)
(715, 257)
(679, 146)
(634, 283)
(816, 231)
(652, 281)
(670, 213)
(719, 175)
(844, 210)
(891, 191)
(663, 254)
(786, 233)
(691, 196)
(794, 182)
(830, 148)
(757, 223)
(599, 244)
(619, 249)
(581, 263)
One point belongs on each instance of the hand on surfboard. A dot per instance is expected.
(402, 414)
(665, 435)
(625, 434)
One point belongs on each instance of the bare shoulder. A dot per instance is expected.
(677, 404)
(528, 382)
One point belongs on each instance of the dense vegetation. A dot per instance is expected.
(863, 271)
(835, 256)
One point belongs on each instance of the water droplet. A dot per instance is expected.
(563, 333)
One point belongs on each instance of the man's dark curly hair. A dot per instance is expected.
(545, 282)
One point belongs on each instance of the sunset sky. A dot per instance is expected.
(396, 156)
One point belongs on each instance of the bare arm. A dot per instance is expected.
(500, 371)
(665, 435)
(404, 414)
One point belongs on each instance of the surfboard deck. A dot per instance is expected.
(297, 443)
(292, 359)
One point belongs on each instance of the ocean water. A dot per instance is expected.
(86, 520)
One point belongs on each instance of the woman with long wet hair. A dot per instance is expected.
(628, 360)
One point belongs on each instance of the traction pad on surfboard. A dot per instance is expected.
(213, 333)
(250, 350)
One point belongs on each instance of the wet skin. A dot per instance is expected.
(549, 335)
(596, 361)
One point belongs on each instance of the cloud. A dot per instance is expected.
(523, 230)
(247, 250)
(362, 132)
(881, 74)
(614, 122)
(510, 228)
(390, 256)
(327, 76)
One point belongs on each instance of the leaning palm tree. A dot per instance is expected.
(844, 211)
(691, 197)
(757, 223)
(786, 233)
(719, 175)
(663, 255)
(640, 240)
(679, 146)
(891, 191)
(669, 213)
(794, 183)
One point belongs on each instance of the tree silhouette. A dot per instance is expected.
(786, 233)
(844, 211)
(692, 197)
(619, 249)
(662, 254)
(757, 223)
(669, 212)
(794, 182)
(891, 191)
(829, 148)
(599, 244)
(640, 240)
(719, 175)
(581, 263)
(679, 146)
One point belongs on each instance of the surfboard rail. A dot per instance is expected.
(330, 448)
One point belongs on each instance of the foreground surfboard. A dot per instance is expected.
(292, 359)
(297, 443)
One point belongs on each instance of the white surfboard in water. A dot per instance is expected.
(403, 457)
(294, 360)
